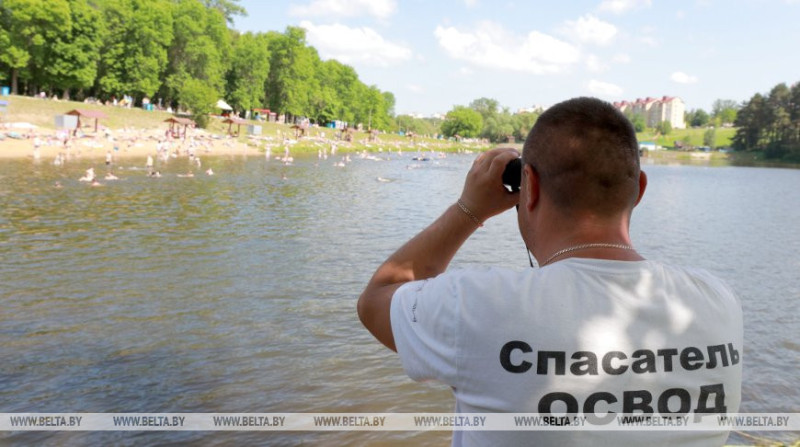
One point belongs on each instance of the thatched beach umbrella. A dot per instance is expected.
(174, 126)
(230, 121)
(91, 114)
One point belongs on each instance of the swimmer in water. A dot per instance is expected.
(89, 176)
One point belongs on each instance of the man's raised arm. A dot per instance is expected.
(429, 252)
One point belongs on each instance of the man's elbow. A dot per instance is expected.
(362, 309)
(373, 312)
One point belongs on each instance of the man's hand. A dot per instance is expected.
(484, 194)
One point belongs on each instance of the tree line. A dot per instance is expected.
(181, 53)
(482, 118)
(771, 123)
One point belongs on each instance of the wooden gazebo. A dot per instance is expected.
(96, 115)
(373, 135)
(175, 126)
(300, 130)
(346, 134)
(230, 121)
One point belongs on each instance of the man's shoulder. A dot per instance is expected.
(469, 275)
(698, 276)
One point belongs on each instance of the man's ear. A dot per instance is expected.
(642, 186)
(530, 182)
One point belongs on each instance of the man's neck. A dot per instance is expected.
(586, 237)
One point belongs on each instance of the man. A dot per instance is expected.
(596, 330)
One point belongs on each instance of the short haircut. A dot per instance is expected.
(587, 157)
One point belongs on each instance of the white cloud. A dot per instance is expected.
(621, 58)
(589, 30)
(649, 41)
(354, 45)
(600, 88)
(620, 6)
(595, 65)
(470, 3)
(380, 9)
(490, 45)
(466, 71)
(683, 78)
(415, 88)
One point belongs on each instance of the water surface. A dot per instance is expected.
(236, 292)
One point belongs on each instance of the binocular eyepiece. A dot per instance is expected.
(512, 175)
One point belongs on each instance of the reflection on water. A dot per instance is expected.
(236, 293)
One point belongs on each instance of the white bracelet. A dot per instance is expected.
(469, 213)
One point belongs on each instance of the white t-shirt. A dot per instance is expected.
(580, 335)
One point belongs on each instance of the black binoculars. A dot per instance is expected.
(512, 175)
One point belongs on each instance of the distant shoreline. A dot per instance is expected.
(715, 159)
(149, 126)
(98, 148)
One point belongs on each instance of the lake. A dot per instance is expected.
(236, 292)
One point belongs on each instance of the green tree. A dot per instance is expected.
(664, 127)
(710, 138)
(487, 107)
(347, 91)
(200, 98)
(778, 103)
(724, 110)
(523, 123)
(419, 126)
(247, 71)
(699, 118)
(639, 124)
(375, 109)
(325, 103)
(498, 127)
(199, 48)
(228, 8)
(30, 27)
(14, 57)
(291, 76)
(751, 122)
(134, 57)
(390, 102)
(75, 55)
(462, 121)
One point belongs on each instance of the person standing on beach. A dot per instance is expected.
(37, 143)
(597, 330)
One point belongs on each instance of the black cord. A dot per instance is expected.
(530, 258)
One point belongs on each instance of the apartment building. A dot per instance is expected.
(656, 110)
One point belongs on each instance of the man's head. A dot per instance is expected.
(586, 156)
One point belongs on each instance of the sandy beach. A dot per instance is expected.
(119, 143)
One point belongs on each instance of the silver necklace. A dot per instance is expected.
(584, 247)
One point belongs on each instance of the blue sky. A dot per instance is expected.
(434, 55)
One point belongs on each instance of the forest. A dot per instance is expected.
(771, 123)
(177, 53)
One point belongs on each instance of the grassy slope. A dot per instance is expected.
(722, 137)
